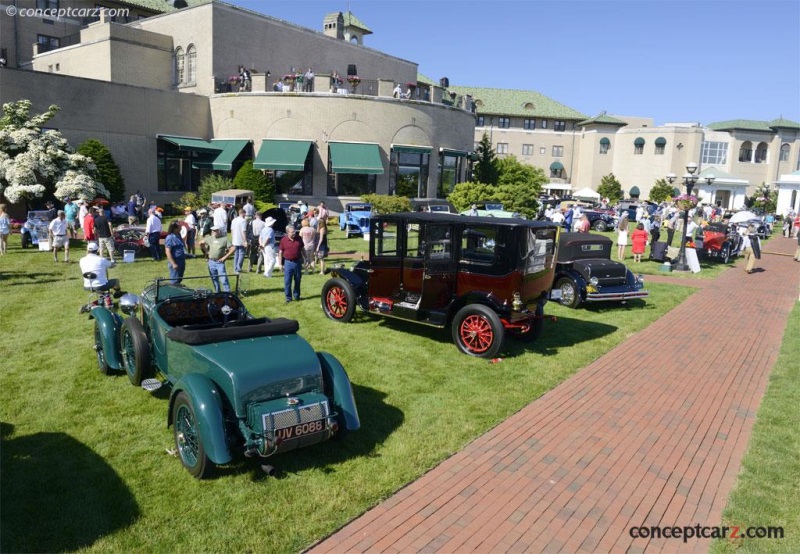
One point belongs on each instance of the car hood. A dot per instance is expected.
(262, 368)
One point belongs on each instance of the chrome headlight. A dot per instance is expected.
(129, 302)
(594, 281)
(640, 278)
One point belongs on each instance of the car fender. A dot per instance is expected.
(207, 403)
(575, 277)
(348, 276)
(110, 324)
(478, 297)
(341, 389)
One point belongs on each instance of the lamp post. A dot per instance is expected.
(689, 180)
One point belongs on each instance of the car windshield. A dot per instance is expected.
(439, 208)
(359, 207)
(494, 206)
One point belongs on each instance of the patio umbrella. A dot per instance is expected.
(744, 215)
(100, 201)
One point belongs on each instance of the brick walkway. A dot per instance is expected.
(652, 433)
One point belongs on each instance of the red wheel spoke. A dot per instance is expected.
(337, 302)
(476, 333)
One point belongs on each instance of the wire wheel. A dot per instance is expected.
(188, 441)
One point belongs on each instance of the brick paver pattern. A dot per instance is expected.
(652, 433)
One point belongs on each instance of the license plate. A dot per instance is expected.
(299, 430)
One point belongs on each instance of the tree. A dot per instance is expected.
(610, 188)
(486, 167)
(519, 186)
(466, 194)
(211, 184)
(107, 171)
(661, 191)
(763, 199)
(248, 178)
(37, 164)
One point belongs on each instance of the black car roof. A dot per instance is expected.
(581, 238)
(467, 220)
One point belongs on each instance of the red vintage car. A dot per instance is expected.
(132, 238)
(719, 241)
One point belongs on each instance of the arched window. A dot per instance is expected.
(191, 53)
(761, 153)
(638, 146)
(746, 151)
(605, 144)
(179, 67)
(661, 144)
(785, 149)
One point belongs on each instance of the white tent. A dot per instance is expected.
(586, 193)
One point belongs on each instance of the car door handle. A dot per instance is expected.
(427, 277)
(370, 271)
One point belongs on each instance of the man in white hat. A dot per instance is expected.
(266, 242)
(92, 262)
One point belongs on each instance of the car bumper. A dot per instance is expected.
(615, 296)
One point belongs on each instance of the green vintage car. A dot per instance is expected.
(238, 383)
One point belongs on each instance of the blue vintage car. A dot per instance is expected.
(354, 220)
(35, 228)
(238, 383)
(585, 272)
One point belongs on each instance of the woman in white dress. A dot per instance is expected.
(622, 236)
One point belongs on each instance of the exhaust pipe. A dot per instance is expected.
(268, 469)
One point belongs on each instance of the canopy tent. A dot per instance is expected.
(586, 193)
(557, 186)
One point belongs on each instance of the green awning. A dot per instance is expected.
(411, 149)
(355, 157)
(230, 151)
(639, 141)
(192, 144)
(556, 166)
(451, 152)
(635, 191)
(661, 141)
(285, 155)
(604, 140)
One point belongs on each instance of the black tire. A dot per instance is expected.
(338, 300)
(102, 363)
(26, 240)
(726, 253)
(534, 330)
(600, 225)
(135, 351)
(477, 331)
(188, 441)
(570, 295)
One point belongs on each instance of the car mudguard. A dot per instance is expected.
(207, 403)
(110, 324)
(334, 373)
(349, 276)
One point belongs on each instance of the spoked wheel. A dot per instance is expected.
(102, 363)
(188, 441)
(135, 351)
(600, 225)
(570, 297)
(726, 253)
(477, 331)
(338, 300)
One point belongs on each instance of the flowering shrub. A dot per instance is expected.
(353, 79)
(685, 201)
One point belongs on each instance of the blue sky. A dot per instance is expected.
(672, 60)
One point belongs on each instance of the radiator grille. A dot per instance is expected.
(294, 416)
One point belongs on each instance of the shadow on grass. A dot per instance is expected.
(378, 421)
(58, 495)
(563, 333)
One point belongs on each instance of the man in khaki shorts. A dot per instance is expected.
(57, 233)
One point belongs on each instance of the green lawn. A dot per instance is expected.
(84, 456)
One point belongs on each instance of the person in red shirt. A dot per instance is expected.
(291, 249)
(583, 224)
(88, 228)
(638, 242)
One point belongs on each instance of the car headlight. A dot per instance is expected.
(640, 278)
(594, 281)
(129, 302)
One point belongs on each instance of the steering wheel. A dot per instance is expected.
(224, 314)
